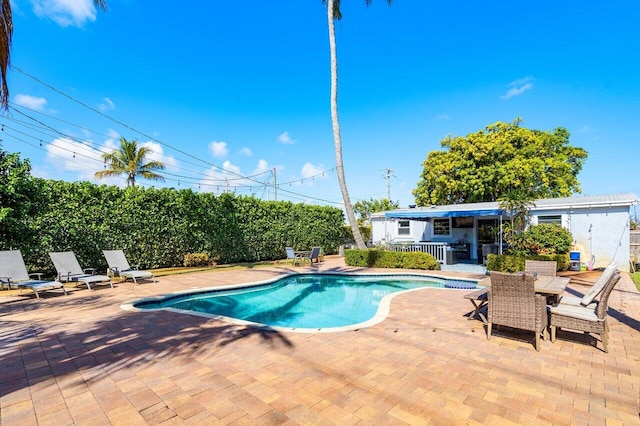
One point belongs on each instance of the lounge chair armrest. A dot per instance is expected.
(36, 274)
(90, 271)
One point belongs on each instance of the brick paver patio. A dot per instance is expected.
(81, 359)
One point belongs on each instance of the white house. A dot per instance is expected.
(599, 225)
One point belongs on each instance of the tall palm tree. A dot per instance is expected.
(6, 33)
(130, 160)
(333, 13)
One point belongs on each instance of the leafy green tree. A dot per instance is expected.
(6, 34)
(365, 208)
(18, 199)
(488, 164)
(333, 13)
(130, 159)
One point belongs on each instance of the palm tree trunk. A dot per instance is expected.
(336, 131)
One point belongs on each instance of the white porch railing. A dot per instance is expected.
(437, 250)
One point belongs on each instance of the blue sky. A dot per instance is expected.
(222, 90)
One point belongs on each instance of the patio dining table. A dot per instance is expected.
(552, 287)
(303, 255)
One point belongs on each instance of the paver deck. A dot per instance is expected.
(81, 359)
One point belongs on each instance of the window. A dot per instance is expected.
(441, 227)
(404, 227)
(557, 219)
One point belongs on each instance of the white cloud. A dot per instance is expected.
(157, 154)
(32, 102)
(443, 116)
(286, 139)
(219, 179)
(245, 151)
(68, 155)
(218, 149)
(106, 105)
(311, 172)
(65, 13)
(113, 134)
(85, 159)
(518, 87)
(230, 177)
(262, 167)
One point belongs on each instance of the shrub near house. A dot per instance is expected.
(538, 242)
(390, 259)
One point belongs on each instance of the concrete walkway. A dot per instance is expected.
(81, 359)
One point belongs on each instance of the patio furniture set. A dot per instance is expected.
(534, 300)
(303, 255)
(13, 271)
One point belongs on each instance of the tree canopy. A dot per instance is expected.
(364, 208)
(492, 163)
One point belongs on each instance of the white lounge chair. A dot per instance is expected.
(119, 266)
(69, 270)
(14, 272)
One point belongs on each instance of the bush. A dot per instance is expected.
(197, 259)
(543, 239)
(156, 228)
(373, 258)
(514, 263)
(550, 238)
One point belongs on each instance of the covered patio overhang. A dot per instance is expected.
(426, 214)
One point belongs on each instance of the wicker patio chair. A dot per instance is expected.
(546, 268)
(514, 303)
(588, 319)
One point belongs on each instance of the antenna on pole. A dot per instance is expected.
(389, 174)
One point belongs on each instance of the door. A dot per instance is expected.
(488, 230)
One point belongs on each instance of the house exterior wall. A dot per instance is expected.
(601, 233)
(387, 231)
(598, 232)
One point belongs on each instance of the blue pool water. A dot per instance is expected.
(304, 301)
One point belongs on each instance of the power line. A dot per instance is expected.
(237, 176)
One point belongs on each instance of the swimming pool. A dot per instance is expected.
(301, 302)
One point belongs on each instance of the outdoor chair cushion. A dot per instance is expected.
(580, 312)
(599, 284)
(575, 301)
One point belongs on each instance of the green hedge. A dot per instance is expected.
(511, 263)
(373, 258)
(158, 227)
